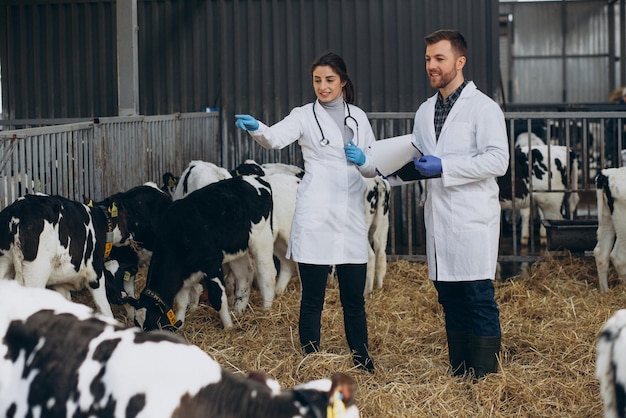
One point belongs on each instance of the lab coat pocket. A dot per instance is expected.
(457, 139)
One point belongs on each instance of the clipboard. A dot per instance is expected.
(394, 157)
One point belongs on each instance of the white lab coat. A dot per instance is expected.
(329, 222)
(462, 209)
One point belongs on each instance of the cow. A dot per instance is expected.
(611, 233)
(526, 139)
(611, 365)
(376, 217)
(284, 181)
(210, 226)
(59, 359)
(250, 167)
(377, 222)
(554, 169)
(139, 211)
(57, 242)
(198, 174)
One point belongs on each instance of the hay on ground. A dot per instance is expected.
(550, 321)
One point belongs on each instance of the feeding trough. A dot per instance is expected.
(573, 235)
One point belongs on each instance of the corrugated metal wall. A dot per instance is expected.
(59, 56)
(560, 54)
(58, 59)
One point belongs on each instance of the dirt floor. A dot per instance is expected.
(550, 320)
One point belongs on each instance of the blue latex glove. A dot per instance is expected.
(354, 154)
(428, 165)
(246, 122)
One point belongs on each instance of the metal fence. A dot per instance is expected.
(108, 155)
(103, 156)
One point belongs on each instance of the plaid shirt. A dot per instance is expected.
(442, 109)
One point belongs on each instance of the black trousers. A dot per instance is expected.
(351, 279)
(470, 307)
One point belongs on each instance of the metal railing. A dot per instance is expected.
(103, 156)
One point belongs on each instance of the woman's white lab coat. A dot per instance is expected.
(462, 209)
(329, 222)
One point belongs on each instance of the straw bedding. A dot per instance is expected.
(550, 321)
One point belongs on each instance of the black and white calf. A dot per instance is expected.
(376, 217)
(611, 365)
(197, 175)
(57, 359)
(554, 171)
(210, 226)
(53, 241)
(139, 211)
(284, 180)
(611, 234)
(377, 221)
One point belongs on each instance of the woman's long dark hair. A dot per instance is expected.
(335, 62)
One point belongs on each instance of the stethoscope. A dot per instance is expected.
(325, 141)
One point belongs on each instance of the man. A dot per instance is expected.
(461, 134)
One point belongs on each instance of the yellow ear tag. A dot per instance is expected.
(336, 409)
(171, 183)
(90, 204)
(107, 249)
(126, 276)
(113, 210)
(171, 316)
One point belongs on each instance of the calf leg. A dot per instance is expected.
(288, 268)
(100, 297)
(129, 288)
(379, 244)
(525, 225)
(602, 253)
(187, 295)
(213, 285)
(606, 240)
(241, 275)
(261, 247)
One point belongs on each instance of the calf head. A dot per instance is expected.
(137, 213)
(248, 168)
(117, 271)
(152, 312)
(336, 402)
(169, 183)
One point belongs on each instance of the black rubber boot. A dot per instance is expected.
(483, 357)
(458, 351)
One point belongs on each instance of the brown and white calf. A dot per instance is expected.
(58, 359)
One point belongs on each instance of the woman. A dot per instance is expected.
(329, 222)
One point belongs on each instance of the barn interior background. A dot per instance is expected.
(101, 95)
